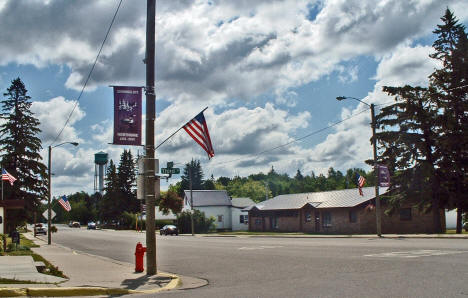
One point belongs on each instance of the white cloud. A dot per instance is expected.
(53, 115)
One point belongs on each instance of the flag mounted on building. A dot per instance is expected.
(8, 177)
(198, 130)
(360, 182)
(65, 203)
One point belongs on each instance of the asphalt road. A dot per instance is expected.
(285, 267)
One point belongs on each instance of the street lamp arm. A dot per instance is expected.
(73, 143)
(350, 97)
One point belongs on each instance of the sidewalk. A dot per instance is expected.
(300, 235)
(88, 275)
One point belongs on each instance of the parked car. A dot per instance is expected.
(91, 225)
(70, 224)
(40, 229)
(169, 229)
(75, 224)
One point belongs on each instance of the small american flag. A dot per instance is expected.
(198, 130)
(65, 203)
(7, 176)
(360, 181)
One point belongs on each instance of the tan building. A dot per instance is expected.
(336, 212)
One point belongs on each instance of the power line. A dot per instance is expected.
(89, 74)
(294, 140)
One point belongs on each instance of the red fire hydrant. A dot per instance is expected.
(139, 253)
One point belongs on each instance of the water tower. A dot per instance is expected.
(100, 166)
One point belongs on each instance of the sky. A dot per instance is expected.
(268, 71)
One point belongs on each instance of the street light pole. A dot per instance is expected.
(49, 209)
(49, 186)
(376, 169)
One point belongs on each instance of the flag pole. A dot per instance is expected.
(178, 130)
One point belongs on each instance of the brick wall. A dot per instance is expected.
(340, 221)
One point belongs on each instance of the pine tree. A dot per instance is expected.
(111, 201)
(449, 92)
(20, 149)
(126, 177)
(409, 148)
(197, 177)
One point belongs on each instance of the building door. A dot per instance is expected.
(220, 223)
(274, 223)
(317, 221)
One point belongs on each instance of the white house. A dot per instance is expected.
(240, 219)
(217, 203)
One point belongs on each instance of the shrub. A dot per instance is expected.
(201, 223)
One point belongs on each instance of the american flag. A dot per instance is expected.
(360, 181)
(65, 203)
(198, 130)
(7, 176)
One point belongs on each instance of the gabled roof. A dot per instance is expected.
(327, 199)
(242, 202)
(208, 198)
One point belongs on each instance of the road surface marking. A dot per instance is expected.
(258, 247)
(415, 253)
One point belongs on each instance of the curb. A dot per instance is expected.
(340, 236)
(85, 291)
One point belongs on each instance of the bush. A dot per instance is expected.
(201, 223)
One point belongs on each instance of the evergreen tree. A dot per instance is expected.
(20, 149)
(408, 141)
(110, 204)
(449, 92)
(197, 177)
(126, 177)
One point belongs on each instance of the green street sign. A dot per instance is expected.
(170, 171)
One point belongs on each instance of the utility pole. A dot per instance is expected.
(191, 200)
(376, 174)
(49, 208)
(378, 215)
(151, 268)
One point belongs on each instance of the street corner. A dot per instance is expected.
(143, 285)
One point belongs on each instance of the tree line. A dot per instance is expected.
(260, 186)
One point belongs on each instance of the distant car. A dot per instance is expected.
(75, 224)
(169, 229)
(40, 229)
(91, 225)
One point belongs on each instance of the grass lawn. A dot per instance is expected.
(454, 231)
(24, 249)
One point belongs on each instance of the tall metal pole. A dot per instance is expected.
(191, 200)
(49, 209)
(149, 139)
(376, 173)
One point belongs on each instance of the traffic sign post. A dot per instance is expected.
(52, 214)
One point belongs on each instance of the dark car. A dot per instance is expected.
(75, 224)
(91, 225)
(40, 229)
(169, 230)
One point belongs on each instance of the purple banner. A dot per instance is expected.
(384, 176)
(127, 115)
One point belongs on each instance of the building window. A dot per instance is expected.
(326, 219)
(258, 221)
(352, 216)
(308, 217)
(220, 218)
(405, 214)
(244, 219)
